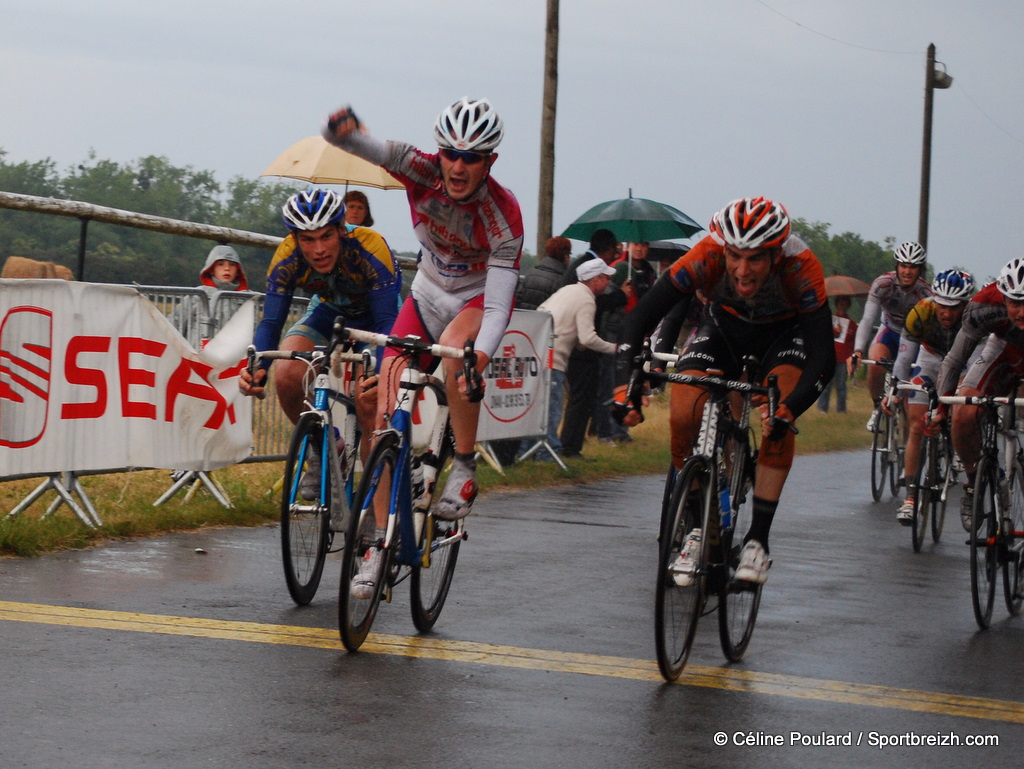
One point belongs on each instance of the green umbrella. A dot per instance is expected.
(633, 220)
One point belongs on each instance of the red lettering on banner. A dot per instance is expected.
(86, 377)
(127, 346)
(181, 383)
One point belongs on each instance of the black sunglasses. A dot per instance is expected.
(469, 158)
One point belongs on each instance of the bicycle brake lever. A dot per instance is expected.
(250, 366)
(474, 380)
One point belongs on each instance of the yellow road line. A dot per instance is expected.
(527, 659)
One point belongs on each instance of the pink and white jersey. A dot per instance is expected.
(467, 248)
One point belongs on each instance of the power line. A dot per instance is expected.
(986, 115)
(830, 37)
(879, 50)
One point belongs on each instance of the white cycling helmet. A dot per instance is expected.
(952, 287)
(469, 124)
(1011, 280)
(752, 223)
(313, 209)
(910, 253)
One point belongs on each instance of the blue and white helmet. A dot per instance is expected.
(313, 209)
(952, 287)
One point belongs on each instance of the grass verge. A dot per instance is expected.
(124, 501)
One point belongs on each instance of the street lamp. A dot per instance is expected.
(935, 77)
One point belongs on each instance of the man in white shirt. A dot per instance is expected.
(572, 308)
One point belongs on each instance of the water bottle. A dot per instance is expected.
(339, 442)
(725, 507)
(419, 498)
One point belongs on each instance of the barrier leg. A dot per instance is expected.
(66, 485)
(194, 479)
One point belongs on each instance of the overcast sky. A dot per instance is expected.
(816, 103)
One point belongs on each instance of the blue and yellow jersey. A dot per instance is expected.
(364, 284)
(923, 327)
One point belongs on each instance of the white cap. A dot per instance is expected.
(592, 268)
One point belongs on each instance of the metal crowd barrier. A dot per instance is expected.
(198, 317)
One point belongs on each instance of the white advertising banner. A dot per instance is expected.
(94, 377)
(515, 402)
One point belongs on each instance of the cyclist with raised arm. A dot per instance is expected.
(927, 337)
(893, 294)
(995, 314)
(765, 295)
(470, 232)
(353, 275)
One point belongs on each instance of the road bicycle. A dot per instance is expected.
(889, 441)
(403, 474)
(328, 428)
(996, 536)
(935, 474)
(709, 494)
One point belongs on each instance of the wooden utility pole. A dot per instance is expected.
(546, 196)
(934, 78)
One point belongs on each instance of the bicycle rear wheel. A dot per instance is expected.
(678, 606)
(1013, 522)
(926, 481)
(738, 602)
(879, 453)
(439, 542)
(305, 524)
(355, 615)
(984, 524)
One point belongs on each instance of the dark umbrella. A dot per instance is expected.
(633, 220)
(665, 249)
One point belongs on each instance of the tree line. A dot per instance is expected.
(152, 185)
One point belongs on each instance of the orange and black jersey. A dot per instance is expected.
(794, 291)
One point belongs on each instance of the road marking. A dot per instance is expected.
(526, 659)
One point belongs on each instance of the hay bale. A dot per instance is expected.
(21, 267)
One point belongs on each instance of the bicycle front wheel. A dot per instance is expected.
(926, 481)
(356, 613)
(305, 524)
(897, 441)
(984, 524)
(680, 600)
(439, 542)
(946, 474)
(879, 453)
(1013, 525)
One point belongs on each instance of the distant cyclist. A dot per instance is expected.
(893, 294)
(930, 329)
(350, 275)
(765, 297)
(470, 232)
(996, 314)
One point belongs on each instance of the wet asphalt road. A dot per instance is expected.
(149, 654)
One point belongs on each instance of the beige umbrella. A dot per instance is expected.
(844, 285)
(314, 160)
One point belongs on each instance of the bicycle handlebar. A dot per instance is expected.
(642, 373)
(980, 400)
(416, 346)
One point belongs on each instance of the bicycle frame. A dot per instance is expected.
(309, 523)
(400, 506)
